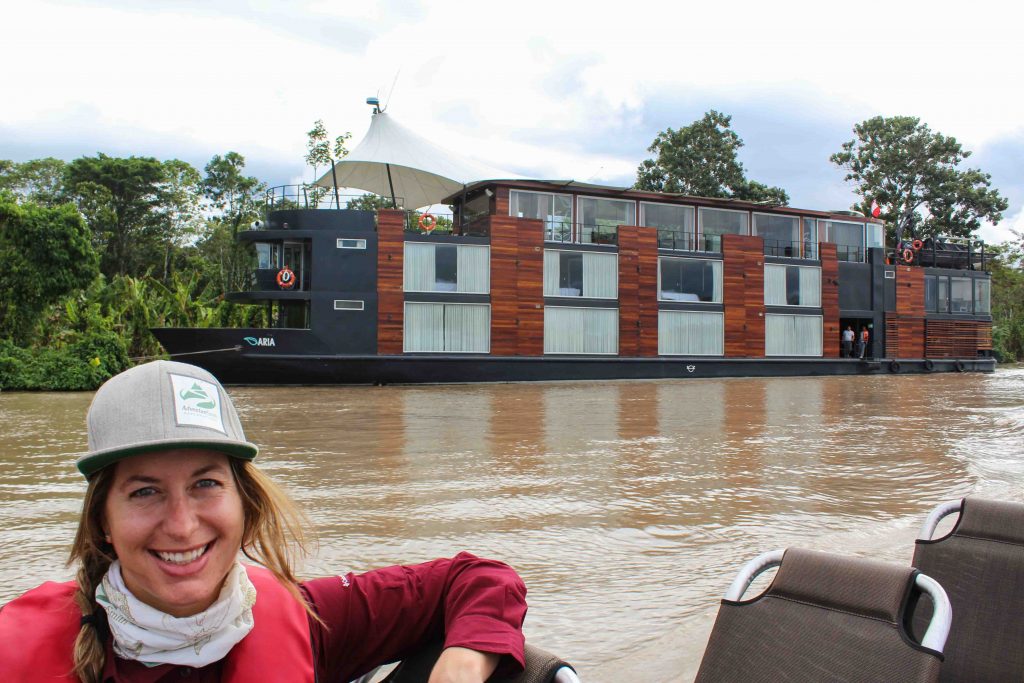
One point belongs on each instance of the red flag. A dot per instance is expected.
(876, 210)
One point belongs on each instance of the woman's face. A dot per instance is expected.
(175, 520)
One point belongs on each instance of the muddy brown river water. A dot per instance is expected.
(627, 507)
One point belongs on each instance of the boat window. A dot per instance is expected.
(581, 330)
(810, 238)
(781, 234)
(554, 209)
(960, 295)
(348, 305)
(669, 217)
(351, 244)
(431, 267)
(982, 296)
(697, 280)
(848, 238)
(875, 235)
(792, 285)
(601, 218)
(267, 255)
(723, 222)
(690, 333)
(792, 335)
(445, 268)
(581, 273)
(477, 207)
(943, 298)
(931, 294)
(447, 328)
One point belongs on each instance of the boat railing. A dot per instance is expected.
(581, 233)
(948, 252)
(268, 280)
(284, 197)
(852, 254)
(687, 241)
(790, 249)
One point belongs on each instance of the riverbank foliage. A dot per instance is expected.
(99, 250)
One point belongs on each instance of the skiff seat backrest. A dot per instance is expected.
(824, 617)
(980, 563)
(541, 667)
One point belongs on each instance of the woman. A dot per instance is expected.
(160, 594)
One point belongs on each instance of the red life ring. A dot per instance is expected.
(285, 278)
(428, 222)
(918, 244)
(908, 256)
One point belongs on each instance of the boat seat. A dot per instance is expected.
(541, 667)
(980, 563)
(824, 617)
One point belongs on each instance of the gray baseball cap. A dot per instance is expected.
(160, 406)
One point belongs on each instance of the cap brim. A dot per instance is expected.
(93, 462)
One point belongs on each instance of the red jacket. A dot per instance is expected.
(369, 619)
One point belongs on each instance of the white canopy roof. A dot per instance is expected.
(421, 172)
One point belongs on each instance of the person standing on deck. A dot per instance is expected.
(848, 337)
(865, 337)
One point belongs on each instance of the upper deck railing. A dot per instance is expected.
(957, 253)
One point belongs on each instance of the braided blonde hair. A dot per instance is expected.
(272, 535)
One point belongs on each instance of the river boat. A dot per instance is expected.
(560, 280)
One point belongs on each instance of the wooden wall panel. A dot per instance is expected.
(647, 261)
(908, 319)
(829, 300)
(390, 297)
(743, 295)
(956, 338)
(910, 291)
(499, 202)
(629, 292)
(530, 286)
(504, 286)
(517, 286)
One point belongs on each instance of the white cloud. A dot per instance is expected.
(486, 80)
(1004, 230)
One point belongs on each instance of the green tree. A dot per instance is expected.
(178, 213)
(320, 152)
(47, 254)
(236, 200)
(913, 173)
(120, 199)
(701, 160)
(1008, 300)
(39, 180)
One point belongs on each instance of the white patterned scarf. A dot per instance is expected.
(153, 637)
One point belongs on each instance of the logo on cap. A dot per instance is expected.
(195, 403)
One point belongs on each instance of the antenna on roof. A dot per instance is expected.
(375, 103)
(392, 91)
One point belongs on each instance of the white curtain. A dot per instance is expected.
(810, 286)
(600, 276)
(419, 267)
(775, 285)
(451, 328)
(792, 335)
(424, 327)
(474, 272)
(716, 268)
(690, 333)
(551, 272)
(581, 330)
(467, 328)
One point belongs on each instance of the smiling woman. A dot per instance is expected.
(172, 499)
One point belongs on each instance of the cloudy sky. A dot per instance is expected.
(544, 89)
